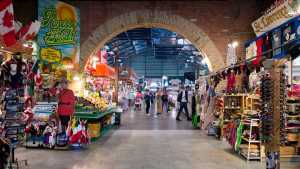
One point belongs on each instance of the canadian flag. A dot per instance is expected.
(7, 29)
(28, 32)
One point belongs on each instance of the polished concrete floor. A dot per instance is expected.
(146, 143)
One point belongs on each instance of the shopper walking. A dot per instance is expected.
(159, 108)
(147, 98)
(165, 100)
(131, 97)
(138, 100)
(183, 101)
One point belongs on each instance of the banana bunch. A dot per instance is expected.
(99, 102)
(102, 104)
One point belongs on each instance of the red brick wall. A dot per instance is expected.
(217, 18)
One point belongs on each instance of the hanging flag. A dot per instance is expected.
(29, 31)
(7, 29)
(18, 25)
(231, 55)
(38, 79)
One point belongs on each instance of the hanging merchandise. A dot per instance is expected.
(239, 136)
(258, 56)
(276, 43)
(245, 78)
(230, 81)
(267, 108)
(254, 80)
(15, 69)
(251, 50)
(283, 100)
(291, 36)
(267, 45)
(7, 29)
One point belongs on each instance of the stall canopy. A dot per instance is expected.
(103, 70)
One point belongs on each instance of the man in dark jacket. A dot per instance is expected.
(147, 98)
(183, 100)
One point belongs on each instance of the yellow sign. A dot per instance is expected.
(50, 55)
(276, 16)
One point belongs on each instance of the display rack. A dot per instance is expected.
(291, 148)
(235, 105)
(13, 127)
(253, 145)
(241, 116)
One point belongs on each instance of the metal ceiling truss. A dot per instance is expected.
(160, 43)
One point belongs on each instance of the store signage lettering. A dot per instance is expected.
(60, 31)
(51, 55)
(275, 17)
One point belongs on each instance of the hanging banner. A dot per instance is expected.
(59, 36)
(231, 55)
(279, 13)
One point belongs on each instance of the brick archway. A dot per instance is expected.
(148, 18)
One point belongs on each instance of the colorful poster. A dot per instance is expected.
(59, 36)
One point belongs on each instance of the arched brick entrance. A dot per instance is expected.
(148, 18)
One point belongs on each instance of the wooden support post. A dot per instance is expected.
(272, 149)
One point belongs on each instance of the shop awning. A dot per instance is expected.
(103, 70)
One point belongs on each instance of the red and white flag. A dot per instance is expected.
(7, 29)
(38, 79)
(28, 32)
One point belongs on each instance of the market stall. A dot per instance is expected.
(258, 108)
(95, 104)
(17, 75)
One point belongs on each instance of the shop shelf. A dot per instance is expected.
(251, 141)
(291, 128)
(237, 108)
(293, 116)
(249, 124)
(250, 157)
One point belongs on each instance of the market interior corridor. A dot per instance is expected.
(148, 145)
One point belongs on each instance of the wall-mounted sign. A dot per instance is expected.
(275, 16)
(50, 54)
(59, 35)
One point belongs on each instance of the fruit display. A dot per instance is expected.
(91, 103)
(84, 105)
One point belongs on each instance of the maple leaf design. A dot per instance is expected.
(30, 36)
(8, 19)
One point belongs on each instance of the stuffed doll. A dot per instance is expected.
(27, 115)
(49, 135)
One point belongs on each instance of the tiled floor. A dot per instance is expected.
(146, 143)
